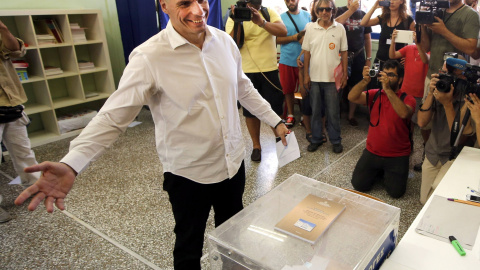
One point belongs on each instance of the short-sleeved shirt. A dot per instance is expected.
(391, 137)
(259, 51)
(324, 46)
(463, 23)
(355, 32)
(290, 51)
(386, 34)
(415, 71)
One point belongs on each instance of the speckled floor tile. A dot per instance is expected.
(121, 196)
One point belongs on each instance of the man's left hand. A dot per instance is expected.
(282, 131)
(344, 81)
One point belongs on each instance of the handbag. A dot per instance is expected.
(10, 114)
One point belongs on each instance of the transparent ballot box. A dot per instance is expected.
(361, 237)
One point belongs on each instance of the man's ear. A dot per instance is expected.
(163, 4)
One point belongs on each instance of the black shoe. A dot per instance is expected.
(353, 122)
(312, 147)
(418, 167)
(256, 155)
(338, 148)
(308, 136)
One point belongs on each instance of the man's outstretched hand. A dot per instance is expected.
(52, 186)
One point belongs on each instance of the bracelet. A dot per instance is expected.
(281, 122)
(368, 58)
(425, 110)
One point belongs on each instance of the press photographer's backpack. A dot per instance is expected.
(239, 34)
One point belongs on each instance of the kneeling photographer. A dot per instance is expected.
(389, 140)
(445, 108)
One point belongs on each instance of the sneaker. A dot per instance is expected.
(353, 122)
(312, 147)
(290, 121)
(256, 155)
(4, 216)
(338, 148)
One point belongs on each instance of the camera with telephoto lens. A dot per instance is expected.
(384, 3)
(373, 72)
(241, 12)
(444, 82)
(426, 10)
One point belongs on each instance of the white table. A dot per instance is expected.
(416, 251)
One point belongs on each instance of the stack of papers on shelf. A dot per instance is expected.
(49, 70)
(21, 66)
(78, 33)
(48, 31)
(78, 120)
(85, 65)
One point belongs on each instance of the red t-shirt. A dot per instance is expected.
(415, 71)
(391, 137)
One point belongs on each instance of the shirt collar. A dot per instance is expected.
(176, 40)
(320, 27)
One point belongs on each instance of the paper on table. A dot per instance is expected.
(289, 153)
(444, 218)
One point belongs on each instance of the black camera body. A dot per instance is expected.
(472, 75)
(242, 13)
(427, 9)
(373, 72)
(444, 82)
(384, 3)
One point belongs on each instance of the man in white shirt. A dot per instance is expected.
(190, 75)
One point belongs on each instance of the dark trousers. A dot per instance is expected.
(370, 168)
(191, 203)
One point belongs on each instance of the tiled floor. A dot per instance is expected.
(118, 216)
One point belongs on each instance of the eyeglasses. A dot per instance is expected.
(392, 75)
(321, 9)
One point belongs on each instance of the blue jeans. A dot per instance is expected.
(332, 110)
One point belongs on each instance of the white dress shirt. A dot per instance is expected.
(192, 94)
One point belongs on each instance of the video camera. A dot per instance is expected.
(241, 12)
(426, 10)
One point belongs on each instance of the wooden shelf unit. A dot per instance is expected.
(73, 87)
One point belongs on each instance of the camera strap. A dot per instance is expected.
(294, 24)
(455, 126)
(375, 97)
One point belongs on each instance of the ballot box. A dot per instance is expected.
(361, 237)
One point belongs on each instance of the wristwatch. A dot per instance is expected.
(369, 58)
(264, 23)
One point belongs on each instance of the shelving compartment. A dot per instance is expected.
(61, 57)
(66, 91)
(43, 127)
(94, 53)
(21, 27)
(38, 97)
(92, 24)
(71, 119)
(97, 85)
(62, 23)
(34, 70)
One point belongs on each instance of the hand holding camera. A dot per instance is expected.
(366, 74)
(445, 97)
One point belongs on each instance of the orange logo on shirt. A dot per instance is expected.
(331, 46)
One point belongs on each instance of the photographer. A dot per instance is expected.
(388, 141)
(13, 120)
(456, 30)
(440, 107)
(259, 61)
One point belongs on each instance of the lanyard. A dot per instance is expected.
(445, 12)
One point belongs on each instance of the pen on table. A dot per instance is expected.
(457, 245)
(473, 190)
(465, 202)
